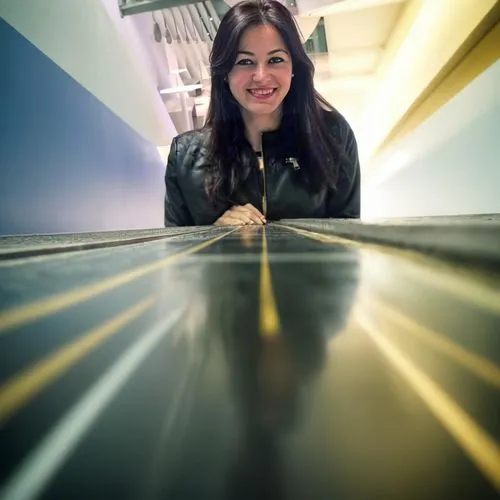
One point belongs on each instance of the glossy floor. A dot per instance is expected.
(251, 363)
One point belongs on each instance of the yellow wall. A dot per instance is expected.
(427, 44)
(400, 32)
(478, 60)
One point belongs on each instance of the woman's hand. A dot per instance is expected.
(240, 215)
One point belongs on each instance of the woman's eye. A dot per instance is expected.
(275, 60)
(244, 62)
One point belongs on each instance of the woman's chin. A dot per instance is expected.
(261, 109)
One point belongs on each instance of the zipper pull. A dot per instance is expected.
(260, 160)
(294, 162)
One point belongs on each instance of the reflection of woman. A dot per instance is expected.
(273, 377)
(272, 148)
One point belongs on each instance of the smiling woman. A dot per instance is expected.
(260, 80)
(272, 148)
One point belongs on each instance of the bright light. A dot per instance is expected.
(182, 88)
(388, 165)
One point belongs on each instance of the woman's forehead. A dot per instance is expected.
(261, 37)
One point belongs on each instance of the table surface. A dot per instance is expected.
(295, 360)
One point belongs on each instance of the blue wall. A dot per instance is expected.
(67, 163)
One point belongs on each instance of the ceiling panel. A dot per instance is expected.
(362, 28)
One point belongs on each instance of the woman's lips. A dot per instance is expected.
(262, 94)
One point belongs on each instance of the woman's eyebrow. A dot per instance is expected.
(278, 50)
(274, 51)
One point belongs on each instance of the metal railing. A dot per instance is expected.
(131, 7)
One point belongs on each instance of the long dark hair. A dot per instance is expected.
(303, 108)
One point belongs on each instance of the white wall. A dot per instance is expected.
(101, 51)
(449, 165)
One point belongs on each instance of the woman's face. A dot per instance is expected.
(262, 73)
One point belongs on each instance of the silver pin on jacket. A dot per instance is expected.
(294, 162)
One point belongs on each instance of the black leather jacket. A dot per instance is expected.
(187, 204)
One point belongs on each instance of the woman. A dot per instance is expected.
(272, 147)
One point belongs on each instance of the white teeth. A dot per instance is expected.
(262, 92)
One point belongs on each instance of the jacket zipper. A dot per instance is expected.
(262, 170)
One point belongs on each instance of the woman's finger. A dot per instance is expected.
(228, 220)
(255, 210)
(249, 213)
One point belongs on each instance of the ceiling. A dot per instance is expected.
(357, 33)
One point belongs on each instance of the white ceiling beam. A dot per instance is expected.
(309, 8)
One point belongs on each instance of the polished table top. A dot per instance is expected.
(282, 362)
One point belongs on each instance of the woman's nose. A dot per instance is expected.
(261, 73)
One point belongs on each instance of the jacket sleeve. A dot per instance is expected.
(176, 211)
(346, 203)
